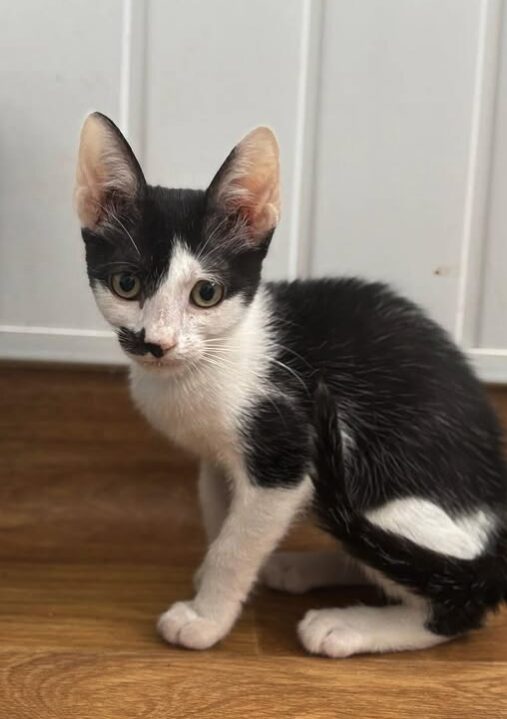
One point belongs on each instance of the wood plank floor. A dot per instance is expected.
(99, 533)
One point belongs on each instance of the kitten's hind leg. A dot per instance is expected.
(353, 630)
(298, 572)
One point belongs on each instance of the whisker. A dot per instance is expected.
(292, 372)
(212, 236)
(110, 213)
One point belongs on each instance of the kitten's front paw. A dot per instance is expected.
(182, 625)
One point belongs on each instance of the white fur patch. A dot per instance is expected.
(166, 315)
(200, 407)
(429, 526)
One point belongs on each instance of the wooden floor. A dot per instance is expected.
(99, 533)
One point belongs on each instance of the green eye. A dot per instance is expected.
(207, 294)
(126, 285)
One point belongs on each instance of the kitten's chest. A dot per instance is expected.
(203, 418)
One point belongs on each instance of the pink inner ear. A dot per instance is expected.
(263, 208)
(103, 169)
(251, 184)
(89, 194)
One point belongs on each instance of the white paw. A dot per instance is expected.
(327, 632)
(182, 625)
(284, 573)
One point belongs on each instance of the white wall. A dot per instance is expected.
(389, 114)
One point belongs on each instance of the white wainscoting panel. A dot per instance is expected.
(394, 128)
(391, 116)
(58, 61)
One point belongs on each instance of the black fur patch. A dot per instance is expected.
(277, 444)
(420, 421)
(134, 343)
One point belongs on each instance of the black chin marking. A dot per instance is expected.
(133, 343)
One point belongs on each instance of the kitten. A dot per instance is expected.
(334, 394)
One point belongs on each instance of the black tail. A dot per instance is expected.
(334, 508)
(461, 591)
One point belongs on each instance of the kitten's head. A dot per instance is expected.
(173, 271)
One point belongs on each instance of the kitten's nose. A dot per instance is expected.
(159, 349)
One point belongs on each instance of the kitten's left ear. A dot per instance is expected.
(108, 177)
(248, 184)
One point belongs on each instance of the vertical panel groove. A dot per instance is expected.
(479, 170)
(305, 143)
(132, 77)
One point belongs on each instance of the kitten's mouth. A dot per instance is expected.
(152, 363)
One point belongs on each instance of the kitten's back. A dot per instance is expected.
(418, 418)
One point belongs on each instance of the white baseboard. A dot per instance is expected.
(101, 347)
(490, 364)
(51, 344)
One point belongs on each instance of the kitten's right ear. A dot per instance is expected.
(248, 185)
(108, 177)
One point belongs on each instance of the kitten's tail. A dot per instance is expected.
(334, 508)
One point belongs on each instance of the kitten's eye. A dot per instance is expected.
(126, 285)
(207, 294)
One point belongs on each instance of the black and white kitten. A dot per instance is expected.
(334, 394)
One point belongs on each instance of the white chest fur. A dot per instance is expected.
(202, 410)
(193, 412)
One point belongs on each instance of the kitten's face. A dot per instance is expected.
(173, 271)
